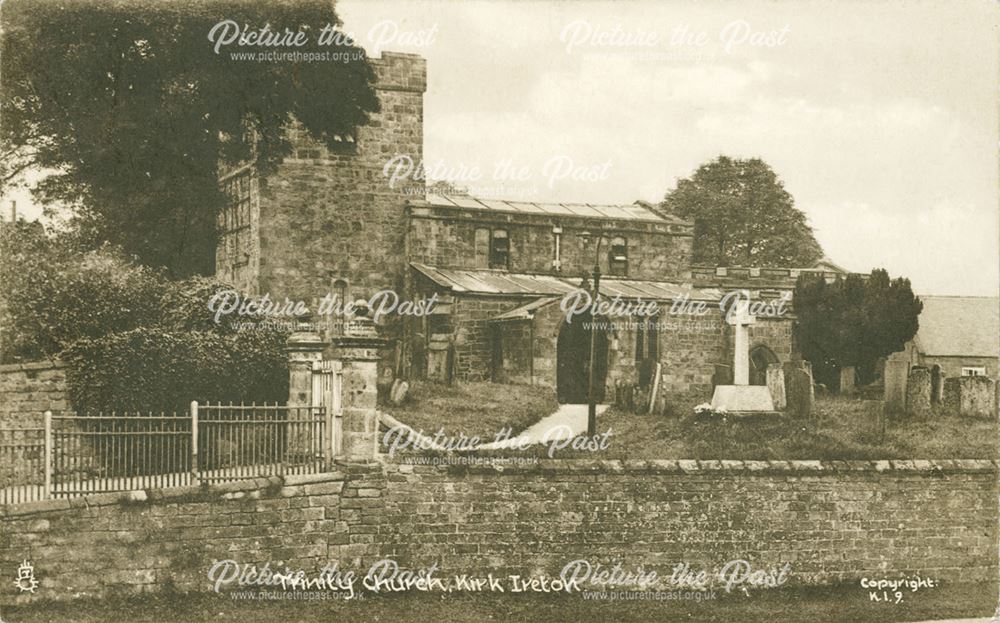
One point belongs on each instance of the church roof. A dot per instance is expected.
(502, 282)
(956, 326)
(631, 212)
(826, 264)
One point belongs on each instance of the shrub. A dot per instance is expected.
(54, 294)
(151, 368)
(134, 340)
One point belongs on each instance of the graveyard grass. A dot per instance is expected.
(838, 432)
(472, 409)
(844, 603)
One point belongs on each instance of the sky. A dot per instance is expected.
(879, 117)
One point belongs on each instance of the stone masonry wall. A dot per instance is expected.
(28, 390)
(446, 238)
(690, 347)
(327, 216)
(168, 539)
(774, 333)
(515, 352)
(473, 334)
(831, 521)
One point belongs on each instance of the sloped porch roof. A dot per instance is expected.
(503, 282)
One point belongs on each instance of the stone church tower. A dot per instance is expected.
(327, 220)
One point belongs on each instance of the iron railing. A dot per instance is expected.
(22, 465)
(76, 455)
(120, 452)
(237, 441)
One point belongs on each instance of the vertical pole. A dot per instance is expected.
(591, 391)
(337, 406)
(194, 441)
(48, 455)
(531, 352)
(328, 439)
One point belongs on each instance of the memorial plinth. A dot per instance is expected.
(743, 400)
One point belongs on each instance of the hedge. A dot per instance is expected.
(155, 369)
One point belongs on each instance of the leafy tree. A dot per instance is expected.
(854, 321)
(743, 216)
(445, 187)
(129, 104)
(53, 293)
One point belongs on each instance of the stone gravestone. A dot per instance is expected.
(847, 380)
(894, 378)
(918, 392)
(937, 385)
(951, 396)
(799, 388)
(776, 384)
(398, 392)
(976, 396)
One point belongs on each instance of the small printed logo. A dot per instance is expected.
(26, 581)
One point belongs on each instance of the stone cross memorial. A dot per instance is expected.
(741, 320)
(742, 398)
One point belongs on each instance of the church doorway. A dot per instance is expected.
(760, 357)
(573, 361)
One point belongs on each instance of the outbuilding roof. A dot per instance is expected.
(959, 326)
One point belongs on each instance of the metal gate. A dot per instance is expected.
(327, 392)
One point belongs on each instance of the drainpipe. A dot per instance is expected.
(531, 349)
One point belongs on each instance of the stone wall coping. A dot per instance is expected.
(45, 364)
(692, 466)
(251, 487)
(226, 490)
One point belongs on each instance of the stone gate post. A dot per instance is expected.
(358, 351)
(304, 347)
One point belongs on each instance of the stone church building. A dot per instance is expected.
(329, 221)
